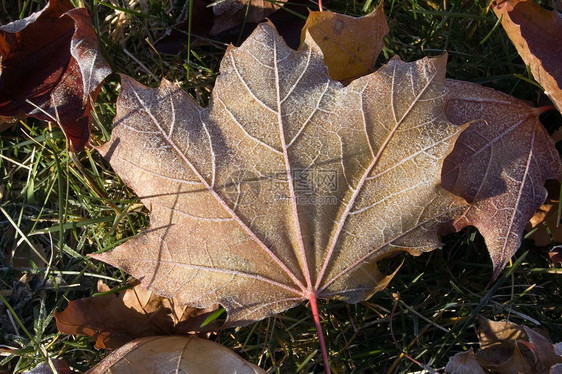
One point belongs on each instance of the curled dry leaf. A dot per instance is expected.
(174, 354)
(289, 186)
(116, 319)
(499, 165)
(346, 55)
(555, 254)
(536, 33)
(508, 348)
(545, 353)
(51, 69)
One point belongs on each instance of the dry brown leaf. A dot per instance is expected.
(548, 229)
(346, 54)
(493, 332)
(499, 164)
(536, 33)
(464, 363)
(555, 254)
(289, 186)
(544, 222)
(506, 358)
(116, 319)
(508, 348)
(545, 354)
(174, 354)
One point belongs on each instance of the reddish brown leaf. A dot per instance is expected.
(116, 319)
(289, 186)
(25, 53)
(535, 32)
(499, 164)
(51, 69)
(345, 54)
(174, 354)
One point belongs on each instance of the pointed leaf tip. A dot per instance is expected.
(535, 32)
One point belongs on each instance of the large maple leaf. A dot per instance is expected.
(289, 186)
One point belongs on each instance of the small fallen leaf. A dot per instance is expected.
(535, 32)
(506, 358)
(544, 222)
(51, 69)
(116, 319)
(543, 350)
(350, 44)
(555, 254)
(499, 164)
(508, 348)
(174, 354)
(547, 230)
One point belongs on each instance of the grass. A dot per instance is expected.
(56, 207)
